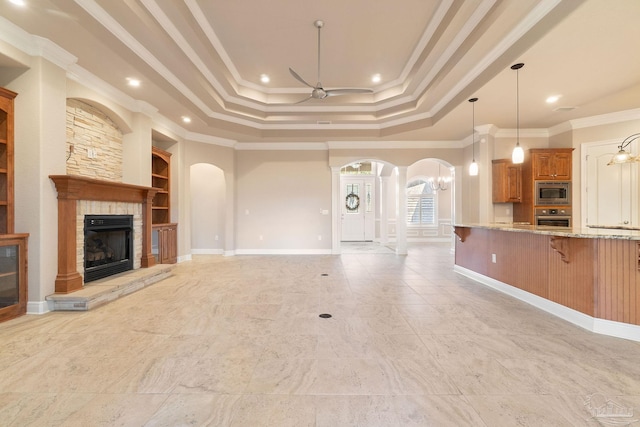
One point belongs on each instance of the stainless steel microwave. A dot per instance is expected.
(553, 193)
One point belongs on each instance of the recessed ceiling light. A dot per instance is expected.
(186, 119)
(18, 2)
(133, 82)
(264, 78)
(552, 99)
(376, 78)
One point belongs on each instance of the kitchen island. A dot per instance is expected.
(588, 276)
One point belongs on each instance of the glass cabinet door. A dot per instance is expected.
(9, 277)
(13, 275)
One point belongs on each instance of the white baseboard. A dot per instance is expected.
(184, 258)
(283, 252)
(207, 251)
(37, 307)
(600, 326)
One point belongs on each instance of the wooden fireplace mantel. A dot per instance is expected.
(72, 188)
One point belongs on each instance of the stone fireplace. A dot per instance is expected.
(81, 198)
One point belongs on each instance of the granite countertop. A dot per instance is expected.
(594, 232)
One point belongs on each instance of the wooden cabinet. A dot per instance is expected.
(507, 181)
(541, 164)
(165, 241)
(13, 247)
(6, 161)
(165, 233)
(160, 180)
(13, 275)
(551, 164)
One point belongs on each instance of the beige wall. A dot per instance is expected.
(280, 196)
(208, 199)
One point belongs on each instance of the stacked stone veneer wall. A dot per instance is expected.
(96, 142)
(89, 207)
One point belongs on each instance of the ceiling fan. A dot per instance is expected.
(318, 91)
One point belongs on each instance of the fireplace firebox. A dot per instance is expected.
(108, 245)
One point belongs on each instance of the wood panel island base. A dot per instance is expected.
(589, 277)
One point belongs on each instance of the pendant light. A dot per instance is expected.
(518, 153)
(621, 156)
(473, 167)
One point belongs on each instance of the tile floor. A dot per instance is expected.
(237, 341)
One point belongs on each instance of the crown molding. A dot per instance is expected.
(538, 13)
(34, 45)
(392, 145)
(606, 119)
(281, 146)
(524, 133)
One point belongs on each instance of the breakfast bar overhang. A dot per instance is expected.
(589, 277)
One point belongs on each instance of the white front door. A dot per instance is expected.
(612, 190)
(358, 213)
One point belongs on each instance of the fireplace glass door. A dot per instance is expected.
(108, 245)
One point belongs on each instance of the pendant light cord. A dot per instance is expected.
(517, 106)
(473, 127)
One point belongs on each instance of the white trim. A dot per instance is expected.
(268, 146)
(393, 145)
(283, 251)
(207, 251)
(184, 258)
(229, 253)
(524, 133)
(599, 326)
(38, 307)
(515, 35)
(606, 119)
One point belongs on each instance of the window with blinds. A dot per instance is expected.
(421, 203)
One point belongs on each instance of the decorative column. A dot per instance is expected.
(384, 211)
(148, 259)
(336, 206)
(401, 217)
(68, 278)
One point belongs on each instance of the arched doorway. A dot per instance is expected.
(363, 202)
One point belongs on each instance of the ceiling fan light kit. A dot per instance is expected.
(318, 91)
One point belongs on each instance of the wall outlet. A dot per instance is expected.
(246, 211)
(260, 237)
(319, 237)
(216, 238)
(493, 258)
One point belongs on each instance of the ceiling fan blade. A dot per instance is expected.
(304, 100)
(300, 79)
(335, 92)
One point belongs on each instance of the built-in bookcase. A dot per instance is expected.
(160, 180)
(13, 247)
(6, 161)
(164, 238)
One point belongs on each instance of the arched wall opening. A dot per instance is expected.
(436, 177)
(208, 198)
